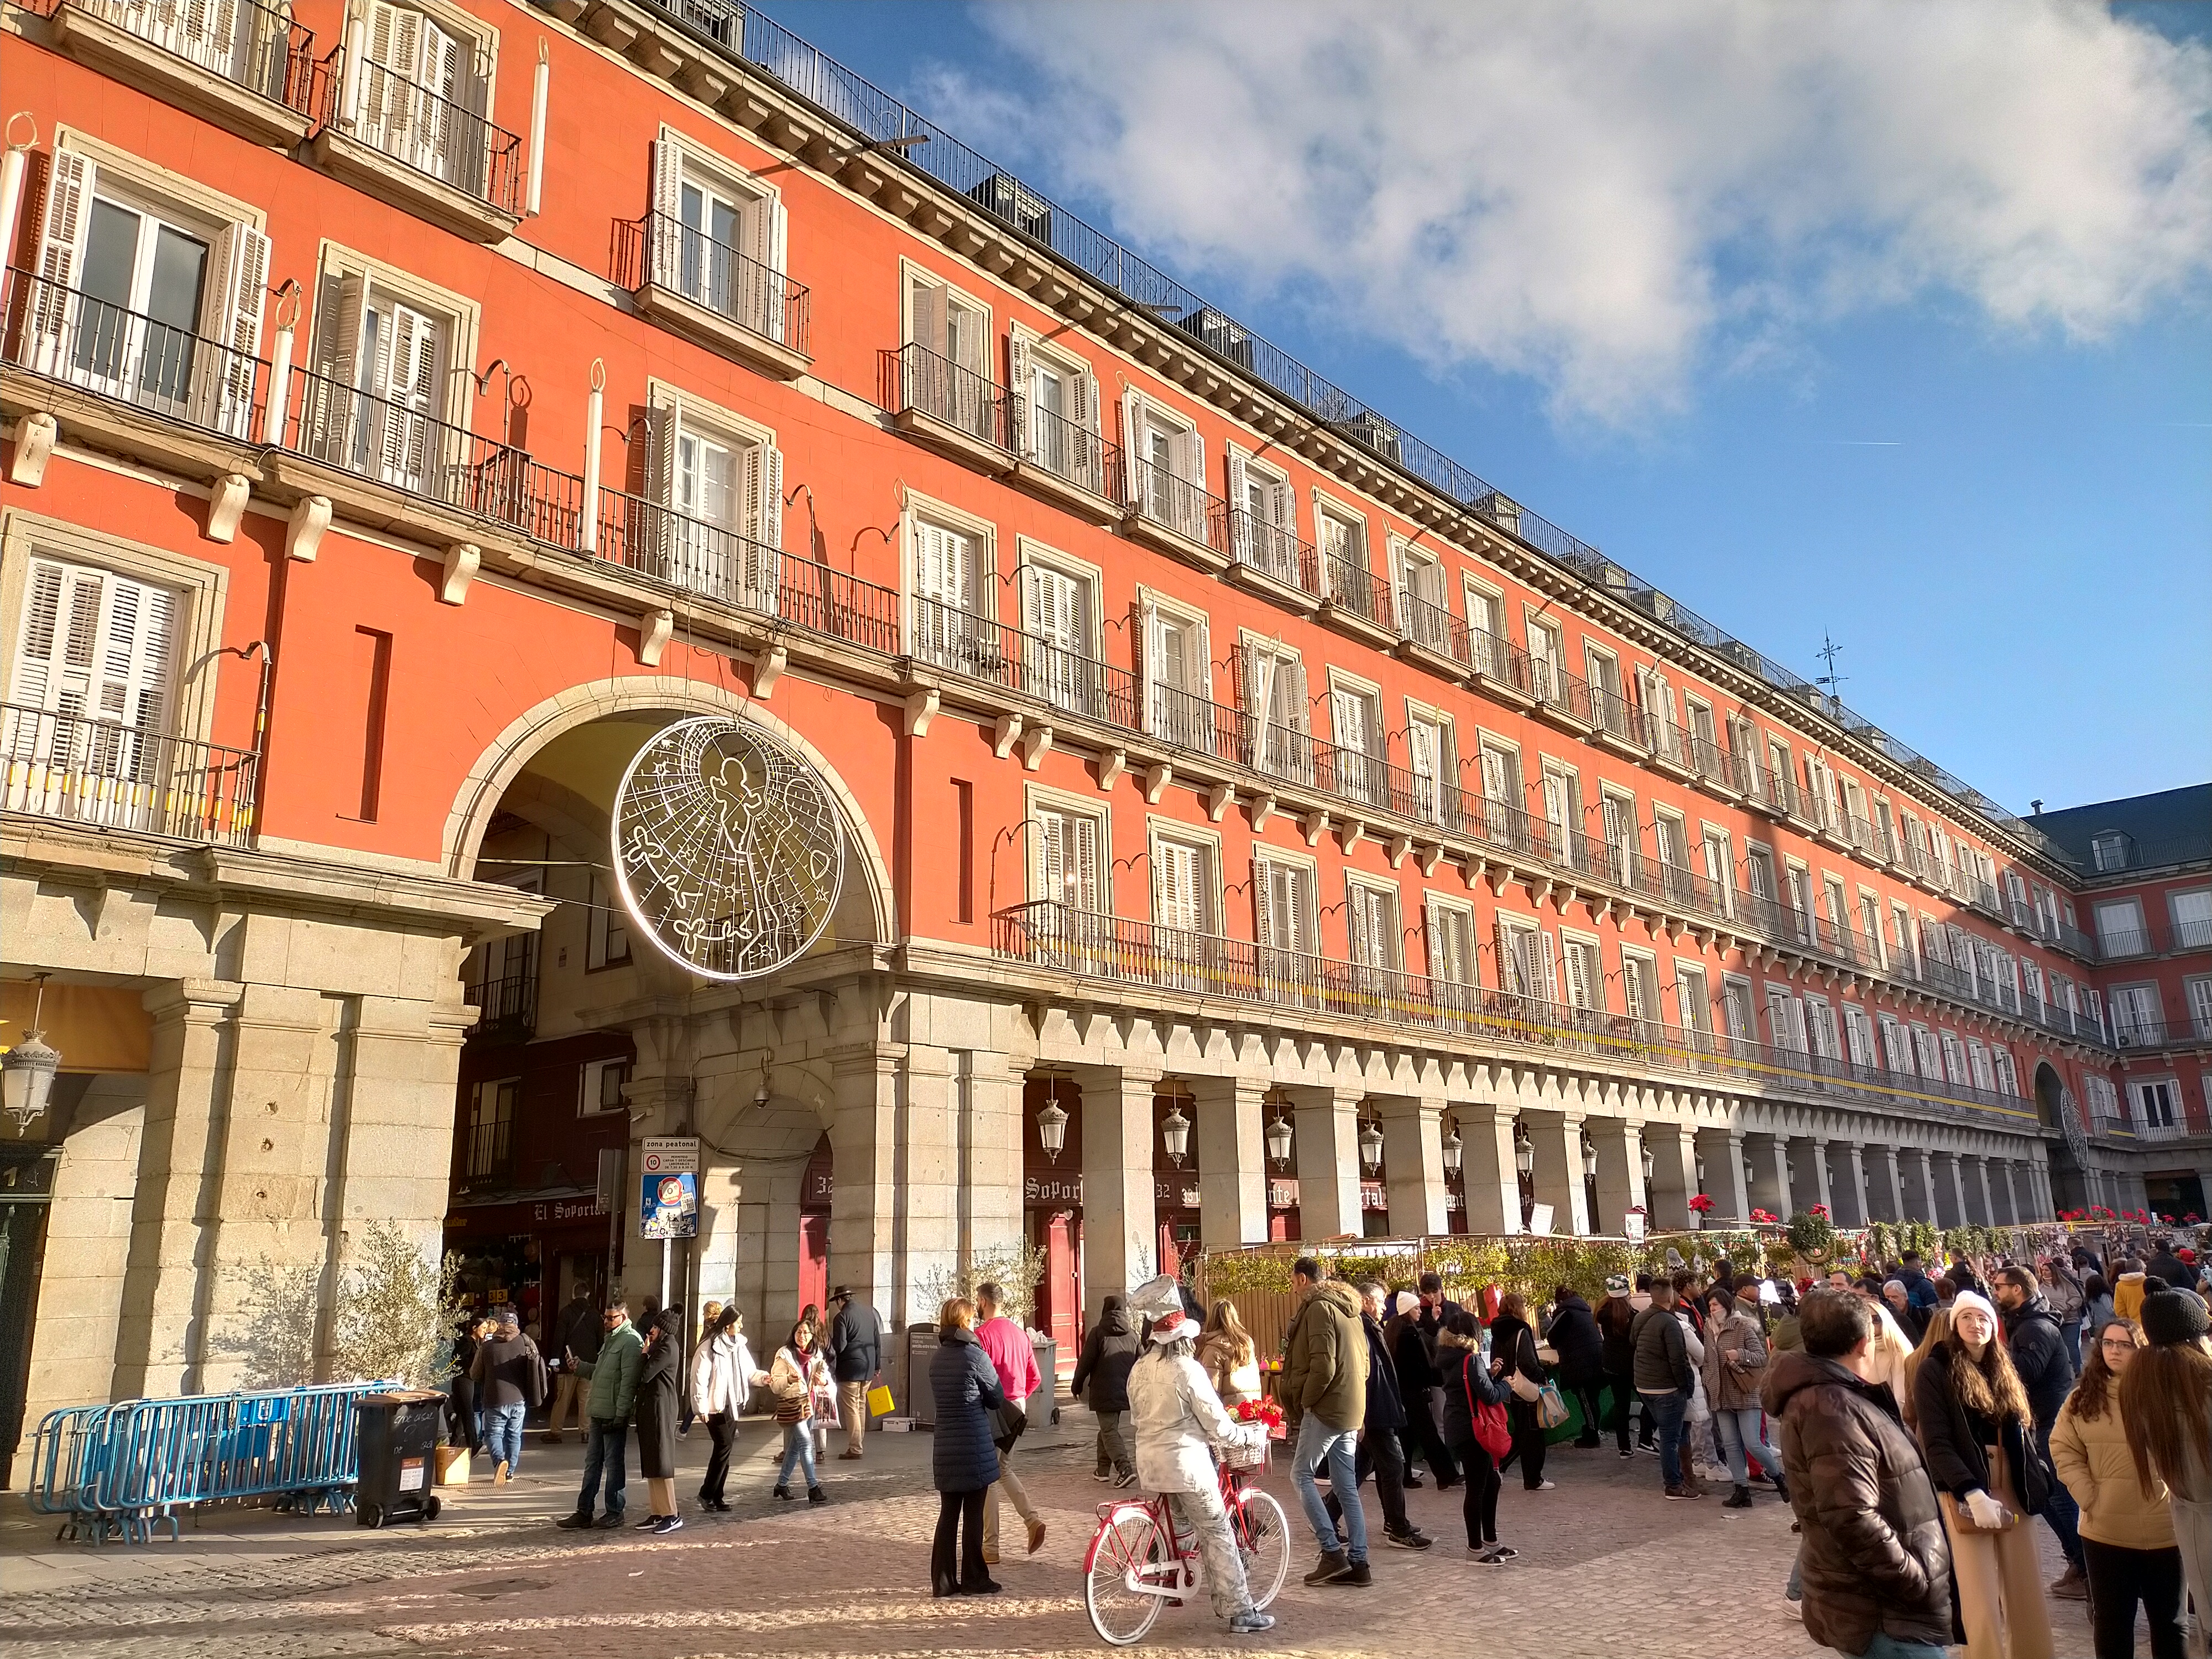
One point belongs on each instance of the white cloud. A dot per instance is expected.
(1610, 198)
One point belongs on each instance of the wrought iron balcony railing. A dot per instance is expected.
(409, 450)
(1157, 496)
(507, 1007)
(1066, 449)
(158, 366)
(979, 648)
(917, 379)
(1061, 938)
(1614, 714)
(1500, 661)
(1424, 622)
(1274, 551)
(256, 46)
(1555, 688)
(687, 261)
(1716, 764)
(692, 556)
(110, 775)
(1356, 590)
(422, 130)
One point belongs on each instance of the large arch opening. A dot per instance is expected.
(2069, 1182)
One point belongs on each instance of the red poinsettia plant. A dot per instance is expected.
(2192, 1218)
(1764, 1216)
(1822, 1210)
(1263, 1410)
(1703, 1204)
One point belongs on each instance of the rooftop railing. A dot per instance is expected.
(686, 260)
(110, 775)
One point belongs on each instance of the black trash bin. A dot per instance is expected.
(396, 1436)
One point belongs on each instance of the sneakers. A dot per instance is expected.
(648, 1523)
(667, 1524)
(1676, 1494)
(849, 1457)
(1410, 1539)
(1333, 1565)
(1102, 1475)
(1252, 1623)
(1359, 1577)
(2070, 1586)
(576, 1522)
(610, 1520)
(502, 1474)
(1545, 1486)
(1627, 1452)
(1738, 1499)
(1127, 1478)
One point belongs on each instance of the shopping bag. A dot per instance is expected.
(879, 1400)
(1550, 1409)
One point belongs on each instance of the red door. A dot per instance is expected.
(813, 1262)
(1060, 1299)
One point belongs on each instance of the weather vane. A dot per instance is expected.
(1828, 653)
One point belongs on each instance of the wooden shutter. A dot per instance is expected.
(234, 298)
(1633, 991)
(1019, 379)
(1178, 897)
(1735, 1003)
(62, 229)
(1188, 451)
(1505, 952)
(1132, 436)
(1241, 527)
(663, 262)
(1347, 712)
(928, 320)
(769, 520)
(1579, 977)
(1547, 963)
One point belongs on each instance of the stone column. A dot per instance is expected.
(1725, 1184)
(1822, 1192)
(1325, 1123)
(1414, 1164)
(1674, 1173)
(1989, 1204)
(1959, 1187)
(1856, 1186)
(993, 1153)
(1620, 1172)
(868, 1234)
(1768, 1157)
(1893, 1192)
(1559, 1173)
(1486, 1168)
(1120, 1224)
(1924, 1162)
(1230, 1140)
(2012, 1217)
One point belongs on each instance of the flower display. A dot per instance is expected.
(1702, 1204)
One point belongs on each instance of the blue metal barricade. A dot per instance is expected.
(124, 1469)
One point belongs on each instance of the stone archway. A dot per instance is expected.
(2054, 1108)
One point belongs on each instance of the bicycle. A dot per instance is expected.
(1137, 1562)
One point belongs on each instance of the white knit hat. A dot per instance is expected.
(1972, 1302)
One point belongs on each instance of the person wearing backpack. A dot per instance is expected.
(510, 1378)
(1475, 1427)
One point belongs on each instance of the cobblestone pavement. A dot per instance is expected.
(1608, 1567)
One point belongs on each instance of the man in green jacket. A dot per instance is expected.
(611, 1390)
(1323, 1390)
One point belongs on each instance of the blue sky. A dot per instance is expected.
(1929, 375)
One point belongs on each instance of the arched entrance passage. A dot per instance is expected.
(2069, 1182)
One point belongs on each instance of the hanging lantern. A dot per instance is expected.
(1175, 1134)
(1052, 1123)
(1589, 1159)
(1524, 1152)
(1650, 1166)
(1279, 1140)
(27, 1071)
(1453, 1150)
(1370, 1146)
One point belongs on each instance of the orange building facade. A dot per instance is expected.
(413, 409)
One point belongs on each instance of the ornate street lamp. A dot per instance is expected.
(1453, 1148)
(1370, 1145)
(1051, 1122)
(27, 1069)
(1278, 1139)
(1589, 1159)
(1524, 1152)
(1175, 1134)
(1650, 1167)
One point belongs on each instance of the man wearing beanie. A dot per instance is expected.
(2038, 1354)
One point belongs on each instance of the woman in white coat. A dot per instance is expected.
(722, 1378)
(1178, 1419)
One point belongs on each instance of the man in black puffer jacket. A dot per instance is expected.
(1379, 1446)
(1874, 1558)
(2037, 1344)
(1101, 1382)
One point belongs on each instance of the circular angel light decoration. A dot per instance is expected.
(727, 848)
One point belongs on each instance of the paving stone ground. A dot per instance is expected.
(1608, 1567)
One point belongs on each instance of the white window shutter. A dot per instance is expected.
(1189, 452)
(1132, 443)
(1547, 958)
(1282, 509)
(40, 638)
(1263, 903)
(1241, 536)
(928, 321)
(1631, 988)
(1686, 1006)
(779, 239)
(62, 229)
(1578, 974)
(1504, 953)
(769, 520)
(233, 318)
(1017, 382)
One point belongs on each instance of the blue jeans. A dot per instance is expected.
(799, 1450)
(2064, 1514)
(502, 1434)
(1667, 1411)
(1317, 1441)
(1740, 1435)
(2069, 1337)
(605, 1442)
(1885, 1646)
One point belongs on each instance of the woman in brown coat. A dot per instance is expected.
(2127, 1533)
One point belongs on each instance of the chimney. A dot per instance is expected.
(2035, 808)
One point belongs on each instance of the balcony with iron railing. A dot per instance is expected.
(110, 776)
(1776, 794)
(1270, 558)
(2158, 1032)
(242, 65)
(1065, 461)
(1192, 720)
(1430, 635)
(1716, 766)
(1357, 601)
(1173, 515)
(1049, 673)
(507, 1005)
(1564, 698)
(1670, 745)
(952, 409)
(406, 451)
(1615, 721)
(131, 361)
(418, 149)
(688, 555)
(1061, 939)
(1501, 669)
(709, 292)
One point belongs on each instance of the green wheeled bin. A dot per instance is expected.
(397, 1436)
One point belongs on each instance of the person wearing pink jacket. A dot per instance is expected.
(1007, 1346)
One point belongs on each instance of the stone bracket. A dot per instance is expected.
(654, 630)
(463, 560)
(227, 506)
(768, 669)
(35, 437)
(1036, 744)
(920, 709)
(1218, 800)
(1157, 778)
(303, 531)
(1112, 763)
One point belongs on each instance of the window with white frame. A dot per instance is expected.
(1820, 1027)
(719, 237)
(2138, 1015)
(1342, 537)
(1528, 963)
(1546, 662)
(1067, 863)
(422, 88)
(1166, 459)
(2103, 1098)
(2157, 1103)
(1928, 1052)
(1486, 621)
(1602, 669)
(1719, 865)
(145, 295)
(1870, 924)
(1371, 922)
(600, 1086)
(1736, 1006)
(2197, 989)
(2108, 851)
(1562, 792)
(1448, 928)
(1858, 1036)
(1056, 414)
(1896, 1046)
(1272, 679)
(1743, 743)
(94, 690)
(1263, 522)
(1639, 986)
(1424, 615)
(1977, 1065)
(606, 934)
(2008, 1077)
(1183, 883)
(1060, 617)
(1758, 870)
(1432, 763)
(954, 329)
(1585, 971)
(1692, 1010)
(1785, 1021)
(2191, 913)
(712, 518)
(382, 399)
(1623, 845)
(1500, 769)
(1285, 914)
(1955, 1057)
(1355, 716)
(948, 559)
(1178, 674)
(1901, 938)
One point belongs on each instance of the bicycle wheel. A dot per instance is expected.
(1263, 1538)
(1127, 1541)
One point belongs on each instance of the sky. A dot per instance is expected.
(1884, 323)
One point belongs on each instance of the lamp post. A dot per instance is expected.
(1524, 1165)
(1454, 1149)
(27, 1069)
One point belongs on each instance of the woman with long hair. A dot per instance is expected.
(1977, 1438)
(2166, 1401)
(790, 1380)
(963, 1460)
(2127, 1531)
(1937, 1333)
(722, 1378)
(1470, 1385)
(1226, 1352)
(1513, 1340)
